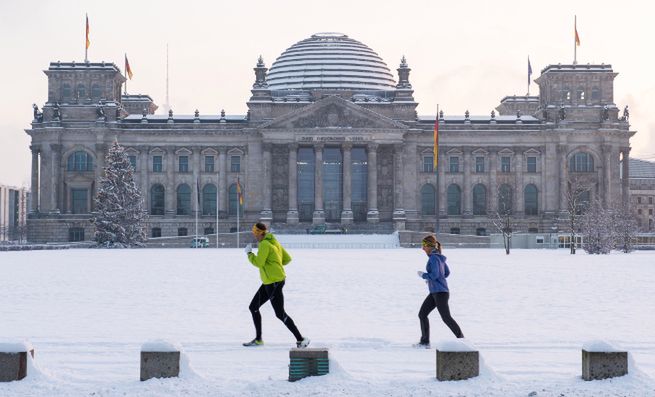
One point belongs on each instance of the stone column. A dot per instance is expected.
(607, 174)
(266, 215)
(563, 178)
(625, 181)
(56, 194)
(373, 216)
(222, 182)
(399, 216)
(292, 213)
(319, 215)
(34, 186)
(44, 181)
(195, 164)
(144, 172)
(468, 200)
(493, 182)
(171, 196)
(441, 189)
(520, 202)
(347, 213)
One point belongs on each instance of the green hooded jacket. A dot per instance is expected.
(270, 259)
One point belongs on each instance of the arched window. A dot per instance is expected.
(209, 199)
(505, 199)
(96, 92)
(233, 200)
(184, 199)
(581, 162)
(427, 200)
(479, 200)
(80, 161)
(582, 202)
(595, 94)
(454, 200)
(580, 94)
(157, 198)
(81, 91)
(566, 94)
(531, 198)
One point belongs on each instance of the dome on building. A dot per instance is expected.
(329, 61)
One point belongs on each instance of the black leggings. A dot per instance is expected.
(440, 301)
(272, 292)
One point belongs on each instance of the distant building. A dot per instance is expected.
(330, 136)
(642, 193)
(13, 213)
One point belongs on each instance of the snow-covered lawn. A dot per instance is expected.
(87, 312)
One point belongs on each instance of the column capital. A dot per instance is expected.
(56, 147)
(398, 147)
(319, 147)
(293, 146)
(625, 150)
(373, 146)
(35, 149)
(347, 145)
(267, 146)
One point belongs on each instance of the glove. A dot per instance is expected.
(420, 273)
(248, 249)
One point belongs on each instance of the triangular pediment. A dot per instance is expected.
(333, 112)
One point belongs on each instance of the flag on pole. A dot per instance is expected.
(529, 70)
(198, 190)
(88, 42)
(435, 150)
(239, 192)
(575, 29)
(128, 69)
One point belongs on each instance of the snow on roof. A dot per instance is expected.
(640, 169)
(600, 346)
(457, 345)
(161, 346)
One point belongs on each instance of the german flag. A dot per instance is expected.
(88, 42)
(239, 192)
(575, 29)
(128, 69)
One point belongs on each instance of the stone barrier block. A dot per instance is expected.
(457, 365)
(13, 365)
(603, 365)
(308, 362)
(156, 364)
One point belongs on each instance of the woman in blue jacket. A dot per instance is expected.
(435, 276)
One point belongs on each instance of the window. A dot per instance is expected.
(359, 180)
(582, 202)
(532, 164)
(480, 231)
(505, 164)
(454, 195)
(505, 199)
(209, 199)
(595, 94)
(638, 200)
(209, 163)
(305, 165)
(66, 91)
(454, 164)
(235, 163)
(479, 200)
(650, 200)
(566, 94)
(79, 201)
(428, 200)
(132, 161)
(95, 91)
(157, 164)
(454, 230)
(650, 211)
(157, 200)
(183, 164)
(76, 234)
(182, 231)
(428, 164)
(479, 164)
(209, 230)
(581, 162)
(81, 91)
(156, 232)
(184, 199)
(80, 161)
(639, 211)
(581, 94)
(531, 198)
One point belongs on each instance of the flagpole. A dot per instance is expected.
(575, 43)
(436, 168)
(86, 40)
(197, 205)
(529, 70)
(238, 205)
(217, 181)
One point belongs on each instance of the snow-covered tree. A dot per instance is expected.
(120, 214)
(503, 220)
(577, 200)
(624, 225)
(597, 226)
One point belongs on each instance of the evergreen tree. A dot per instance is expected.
(120, 214)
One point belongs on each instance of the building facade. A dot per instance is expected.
(14, 204)
(642, 194)
(332, 137)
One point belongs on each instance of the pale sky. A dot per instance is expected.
(463, 55)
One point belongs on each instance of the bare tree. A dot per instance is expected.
(503, 220)
(624, 225)
(578, 198)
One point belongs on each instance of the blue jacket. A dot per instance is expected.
(436, 272)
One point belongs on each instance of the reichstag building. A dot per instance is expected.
(331, 136)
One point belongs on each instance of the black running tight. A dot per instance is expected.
(440, 301)
(272, 292)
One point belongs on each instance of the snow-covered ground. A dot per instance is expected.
(87, 312)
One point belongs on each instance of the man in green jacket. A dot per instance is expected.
(270, 260)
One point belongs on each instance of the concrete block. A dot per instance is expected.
(457, 365)
(603, 365)
(158, 364)
(13, 365)
(308, 362)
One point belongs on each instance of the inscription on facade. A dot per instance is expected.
(332, 139)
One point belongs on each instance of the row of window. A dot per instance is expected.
(639, 200)
(81, 91)
(454, 200)
(207, 201)
(580, 94)
(579, 162)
